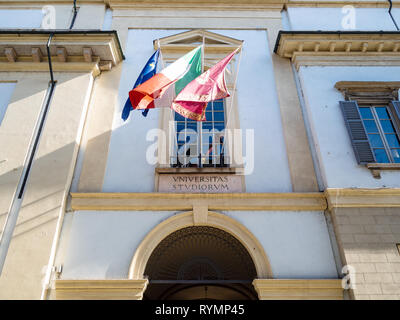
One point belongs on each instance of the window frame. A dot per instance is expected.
(392, 117)
(231, 114)
(202, 158)
(372, 93)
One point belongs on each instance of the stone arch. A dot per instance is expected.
(188, 219)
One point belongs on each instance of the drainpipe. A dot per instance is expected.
(74, 16)
(43, 117)
(390, 13)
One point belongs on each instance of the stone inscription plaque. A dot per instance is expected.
(200, 183)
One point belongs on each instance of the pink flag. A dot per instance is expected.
(192, 101)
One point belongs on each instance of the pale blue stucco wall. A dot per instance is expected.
(20, 18)
(6, 91)
(330, 19)
(332, 142)
(101, 244)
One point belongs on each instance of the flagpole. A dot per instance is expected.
(233, 96)
(161, 55)
(174, 138)
(201, 124)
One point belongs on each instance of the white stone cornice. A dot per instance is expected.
(313, 201)
(339, 48)
(77, 51)
(362, 198)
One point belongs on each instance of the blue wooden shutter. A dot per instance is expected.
(396, 107)
(358, 136)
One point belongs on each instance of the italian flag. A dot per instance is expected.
(167, 83)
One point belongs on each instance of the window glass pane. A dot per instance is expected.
(375, 140)
(180, 138)
(180, 126)
(366, 113)
(393, 141)
(396, 155)
(219, 126)
(191, 137)
(381, 156)
(178, 117)
(192, 126)
(382, 113)
(207, 139)
(219, 116)
(370, 126)
(212, 129)
(207, 125)
(218, 105)
(387, 126)
(207, 149)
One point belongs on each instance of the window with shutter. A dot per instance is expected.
(372, 116)
(357, 131)
(374, 131)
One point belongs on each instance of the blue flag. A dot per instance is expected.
(148, 71)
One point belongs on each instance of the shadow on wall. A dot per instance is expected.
(49, 175)
(44, 190)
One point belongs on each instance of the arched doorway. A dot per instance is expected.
(200, 262)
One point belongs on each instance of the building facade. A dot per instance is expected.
(289, 190)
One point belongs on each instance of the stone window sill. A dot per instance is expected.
(199, 170)
(376, 168)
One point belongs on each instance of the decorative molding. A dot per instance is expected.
(169, 170)
(215, 44)
(200, 214)
(340, 3)
(72, 66)
(368, 86)
(313, 201)
(224, 5)
(345, 59)
(243, 5)
(339, 48)
(123, 289)
(183, 220)
(362, 198)
(200, 252)
(299, 289)
(10, 54)
(377, 167)
(74, 51)
(369, 90)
